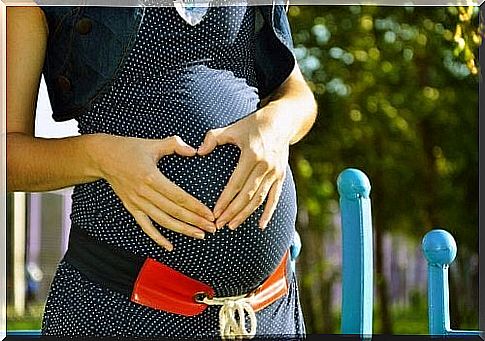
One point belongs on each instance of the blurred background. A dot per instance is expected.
(397, 89)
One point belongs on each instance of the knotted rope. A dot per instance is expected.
(232, 322)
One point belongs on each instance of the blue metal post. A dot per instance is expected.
(357, 265)
(439, 248)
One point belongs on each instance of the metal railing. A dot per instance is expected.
(438, 245)
(440, 249)
(357, 268)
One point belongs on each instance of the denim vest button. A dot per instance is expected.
(63, 83)
(83, 26)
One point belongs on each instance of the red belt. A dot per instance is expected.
(155, 285)
(161, 287)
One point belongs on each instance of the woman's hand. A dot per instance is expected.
(130, 167)
(261, 170)
(264, 138)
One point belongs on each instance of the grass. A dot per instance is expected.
(407, 320)
(31, 320)
(412, 320)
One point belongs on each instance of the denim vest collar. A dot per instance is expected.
(88, 45)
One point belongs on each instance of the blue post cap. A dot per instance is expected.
(353, 183)
(439, 247)
(295, 247)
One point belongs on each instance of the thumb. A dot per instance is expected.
(174, 144)
(213, 138)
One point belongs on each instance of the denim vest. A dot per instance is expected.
(87, 46)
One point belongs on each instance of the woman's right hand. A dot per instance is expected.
(130, 166)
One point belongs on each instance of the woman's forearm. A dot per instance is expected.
(295, 107)
(38, 164)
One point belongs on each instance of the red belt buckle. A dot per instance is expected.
(161, 287)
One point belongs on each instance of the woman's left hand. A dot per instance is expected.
(261, 169)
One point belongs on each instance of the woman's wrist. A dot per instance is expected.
(276, 118)
(289, 116)
(292, 107)
(94, 147)
(294, 113)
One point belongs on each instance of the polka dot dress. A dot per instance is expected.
(180, 80)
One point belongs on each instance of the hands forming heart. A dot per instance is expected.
(148, 195)
(263, 137)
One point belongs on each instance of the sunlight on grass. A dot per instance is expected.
(31, 320)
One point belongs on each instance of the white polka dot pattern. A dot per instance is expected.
(179, 80)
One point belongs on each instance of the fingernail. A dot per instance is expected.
(220, 224)
(211, 228)
(233, 225)
(199, 235)
(168, 247)
(217, 213)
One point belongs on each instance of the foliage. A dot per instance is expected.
(467, 36)
(398, 100)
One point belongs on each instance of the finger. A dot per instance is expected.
(152, 232)
(235, 183)
(167, 188)
(174, 144)
(273, 197)
(212, 139)
(244, 197)
(168, 222)
(176, 211)
(257, 200)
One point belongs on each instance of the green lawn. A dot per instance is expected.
(31, 320)
(411, 320)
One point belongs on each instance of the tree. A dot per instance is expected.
(398, 100)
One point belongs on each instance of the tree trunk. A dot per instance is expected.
(381, 283)
(379, 222)
(326, 279)
(307, 285)
(455, 295)
(305, 258)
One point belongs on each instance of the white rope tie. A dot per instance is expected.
(232, 322)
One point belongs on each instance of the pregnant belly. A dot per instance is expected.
(233, 262)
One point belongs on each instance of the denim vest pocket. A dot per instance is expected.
(86, 47)
(111, 35)
(57, 64)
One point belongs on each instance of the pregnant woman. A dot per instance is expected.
(184, 205)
